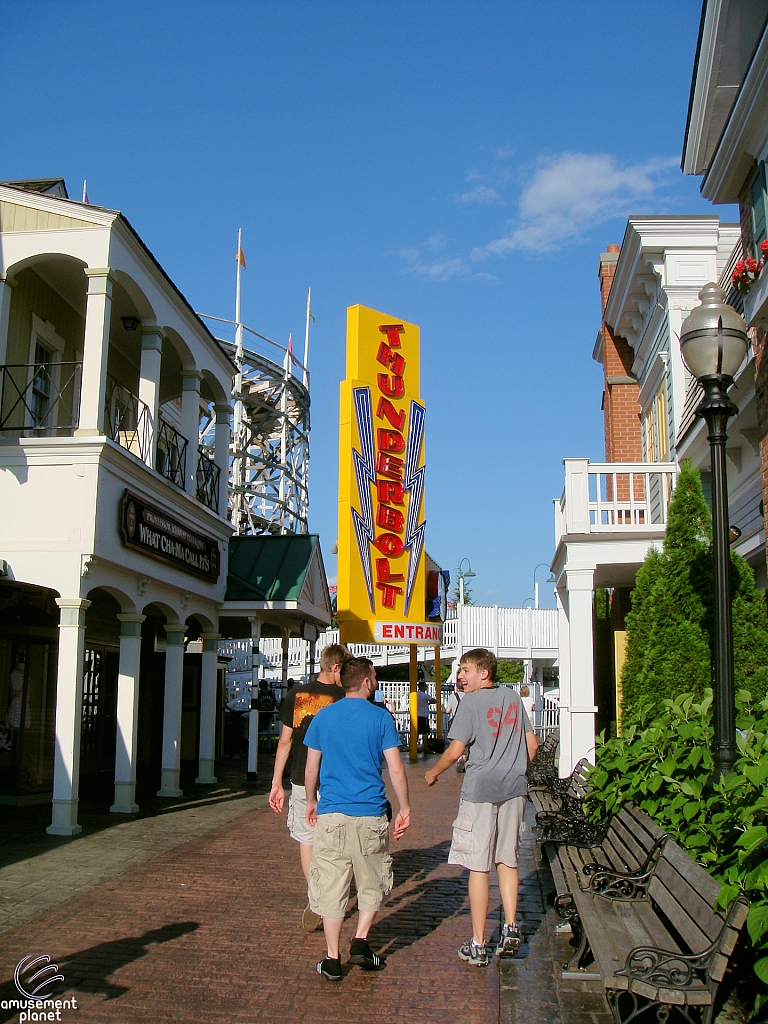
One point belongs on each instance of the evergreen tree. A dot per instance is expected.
(456, 592)
(670, 627)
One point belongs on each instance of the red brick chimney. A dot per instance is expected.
(623, 438)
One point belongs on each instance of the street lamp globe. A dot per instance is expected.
(714, 339)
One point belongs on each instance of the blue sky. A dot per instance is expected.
(457, 164)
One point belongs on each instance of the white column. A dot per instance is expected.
(174, 674)
(221, 454)
(253, 714)
(190, 425)
(127, 714)
(95, 351)
(564, 658)
(69, 714)
(5, 310)
(580, 709)
(207, 750)
(149, 382)
(286, 643)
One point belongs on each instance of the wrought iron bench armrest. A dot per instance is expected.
(667, 969)
(624, 885)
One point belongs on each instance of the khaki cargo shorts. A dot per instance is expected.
(345, 846)
(297, 816)
(487, 834)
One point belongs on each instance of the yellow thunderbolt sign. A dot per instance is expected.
(381, 485)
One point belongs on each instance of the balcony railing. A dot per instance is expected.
(613, 497)
(40, 399)
(127, 420)
(208, 475)
(171, 454)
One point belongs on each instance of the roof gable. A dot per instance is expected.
(267, 568)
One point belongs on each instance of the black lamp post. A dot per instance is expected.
(714, 342)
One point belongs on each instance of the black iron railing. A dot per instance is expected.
(127, 420)
(40, 399)
(171, 454)
(208, 474)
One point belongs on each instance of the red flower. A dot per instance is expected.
(764, 246)
(752, 264)
(740, 267)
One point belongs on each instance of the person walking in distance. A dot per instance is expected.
(423, 702)
(345, 744)
(296, 712)
(492, 721)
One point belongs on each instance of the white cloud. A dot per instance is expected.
(481, 194)
(564, 198)
(571, 193)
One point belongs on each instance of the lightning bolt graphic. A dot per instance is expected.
(365, 473)
(413, 482)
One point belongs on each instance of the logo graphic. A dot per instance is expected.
(44, 977)
(413, 483)
(365, 474)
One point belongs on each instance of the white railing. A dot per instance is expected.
(520, 633)
(507, 629)
(546, 715)
(614, 497)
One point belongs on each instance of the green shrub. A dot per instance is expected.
(662, 763)
(670, 627)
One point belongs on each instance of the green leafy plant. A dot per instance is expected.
(509, 671)
(662, 762)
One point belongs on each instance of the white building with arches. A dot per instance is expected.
(113, 519)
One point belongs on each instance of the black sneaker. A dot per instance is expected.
(509, 941)
(474, 954)
(360, 953)
(330, 969)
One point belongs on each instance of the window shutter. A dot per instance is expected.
(758, 201)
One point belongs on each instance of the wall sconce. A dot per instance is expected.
(130, 323)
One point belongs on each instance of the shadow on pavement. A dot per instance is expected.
(24, 834)
(420, 903)
(88, 969)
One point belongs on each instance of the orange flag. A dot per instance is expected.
(240, 257)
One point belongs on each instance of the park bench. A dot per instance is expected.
(543, 768)
(560, 812)
(641, 910)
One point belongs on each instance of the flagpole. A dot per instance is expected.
(237, 459)
(238, 325)
(306, 340)
(85, 191)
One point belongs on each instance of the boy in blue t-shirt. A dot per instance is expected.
(345, 744)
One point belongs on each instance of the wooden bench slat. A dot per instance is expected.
(701, 880)
(696, 936)
(687, 891)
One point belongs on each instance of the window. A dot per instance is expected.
(656, 432)
(757, 199)
(40, 399)
(661, 424)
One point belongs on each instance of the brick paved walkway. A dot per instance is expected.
(209, 931)
(38, 871)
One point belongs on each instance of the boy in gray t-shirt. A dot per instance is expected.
(492, 724)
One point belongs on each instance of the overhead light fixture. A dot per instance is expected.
(130, 323)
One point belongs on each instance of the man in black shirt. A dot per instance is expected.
(298, 709)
